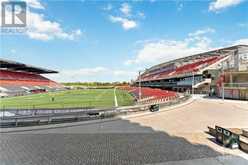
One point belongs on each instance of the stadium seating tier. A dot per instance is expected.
(185, 68)
(150, 93)
(17, 83)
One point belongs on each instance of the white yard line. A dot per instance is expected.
(116, 102)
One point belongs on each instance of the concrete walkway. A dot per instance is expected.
(172, 136)
(219, 160)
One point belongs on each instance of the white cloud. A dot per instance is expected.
(222, 4)
(141, 15)
(157, 51)
(30, 3)
(126, 9)
(13, 51)
(202, 32)
(34, 4)
(93, 74)
(125, 16)
(243, 25)
(39, 28)
(125, 23)
(125, 73)
(243, 41)
(108, 7)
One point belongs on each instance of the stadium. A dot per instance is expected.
(137, 82)
(144, 118)
(221, 72)
(24, 87)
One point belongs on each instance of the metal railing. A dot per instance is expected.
(15, 117)
(236, 85)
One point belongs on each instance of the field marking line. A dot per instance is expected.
(116, 102)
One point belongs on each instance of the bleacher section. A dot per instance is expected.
(150, 95)
(196, 73)
(20, 79)
(19, 83)
(181, 69)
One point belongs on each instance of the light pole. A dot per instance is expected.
(222, 81)
(193, 83)
(140, 94)
(223, 91)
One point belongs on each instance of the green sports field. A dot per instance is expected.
(94, 98)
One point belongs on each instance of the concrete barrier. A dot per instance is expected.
(212, 131)
(243, 144)
(245, 132)
(219, 132)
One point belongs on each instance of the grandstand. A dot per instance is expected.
(20, 79)
(201, 73)
(150, 95)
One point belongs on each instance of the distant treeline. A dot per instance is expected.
(95, 84)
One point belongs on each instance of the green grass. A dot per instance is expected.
(98, 98)
(124, 98)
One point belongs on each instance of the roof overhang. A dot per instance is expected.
(17, 66)
(225, 50)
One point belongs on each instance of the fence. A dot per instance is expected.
(237, 85)
(233, 91)
(26, 117)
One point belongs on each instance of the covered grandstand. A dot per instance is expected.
(20, 79)
(202, 73)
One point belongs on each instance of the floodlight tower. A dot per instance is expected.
(140, 94)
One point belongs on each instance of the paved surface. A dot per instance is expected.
(169, 137)
(196, 116)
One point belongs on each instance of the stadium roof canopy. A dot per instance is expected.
(17, 66)
(212, 52)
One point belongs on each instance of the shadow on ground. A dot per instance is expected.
(115, 142)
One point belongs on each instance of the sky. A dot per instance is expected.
(114, 40)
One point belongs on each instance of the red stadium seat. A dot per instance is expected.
(186, 68)
(12, 78)
(155, 94)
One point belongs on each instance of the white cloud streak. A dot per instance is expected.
(218, 5)
(34, 4)
(93, 74)
(126, 17)
(243, 41)
(154, 52)
(108, 7)
(126, 9)
(40, 28)
(125, 23)
(202, 32)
